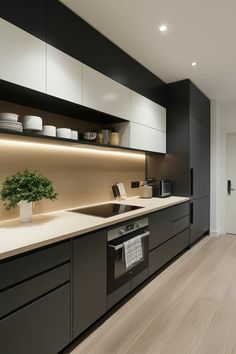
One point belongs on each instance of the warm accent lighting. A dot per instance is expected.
(64, 148)
(163, 28)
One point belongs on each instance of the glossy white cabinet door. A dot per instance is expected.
(22, 58)
(147, 112)
(104, 94)
(138, 136)
(64, 76)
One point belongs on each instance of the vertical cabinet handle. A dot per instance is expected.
(191, 213)
(191, 181)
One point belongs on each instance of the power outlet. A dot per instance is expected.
(135, 184)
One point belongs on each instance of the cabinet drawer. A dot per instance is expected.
(40, 328)
(180, 242)
(160, 227)
(179, 211)
(24, 293)
(159, 256)
(30, 264)
(180, 225)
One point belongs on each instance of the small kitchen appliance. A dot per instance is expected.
(161, 188)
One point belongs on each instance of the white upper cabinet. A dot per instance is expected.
(104, 94)
(64, 76)
(138, 136)
(22, 58)
(147, 112)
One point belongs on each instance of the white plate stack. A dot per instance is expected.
(9, 121)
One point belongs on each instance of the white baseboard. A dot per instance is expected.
(214, 233)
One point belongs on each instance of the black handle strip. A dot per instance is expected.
(191, 181)
(191, 213)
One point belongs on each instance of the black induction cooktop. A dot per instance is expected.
(106, 210)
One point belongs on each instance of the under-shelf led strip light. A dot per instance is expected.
(55, 147)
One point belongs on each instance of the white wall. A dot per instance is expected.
(223, 121)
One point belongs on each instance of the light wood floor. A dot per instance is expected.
(190, 308)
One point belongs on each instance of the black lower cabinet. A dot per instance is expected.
(169, 235)
(180, 242)
(168, 250)
(159, 256)
(43, 327)
(200, 218)
(89, 289)
(160, 227)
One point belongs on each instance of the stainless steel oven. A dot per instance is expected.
(117, 271)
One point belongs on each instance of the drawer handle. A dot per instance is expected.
(191, 213)
(121, 245)
(191, 181)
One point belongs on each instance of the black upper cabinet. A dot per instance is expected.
(199, 105)
(26, 14)
(104, 56)
(60, 27)
(199, 158)
(64, 29)
(147, 84)
(187, 163)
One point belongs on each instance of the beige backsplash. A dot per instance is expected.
(80, 176)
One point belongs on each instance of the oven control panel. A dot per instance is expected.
(127, 228)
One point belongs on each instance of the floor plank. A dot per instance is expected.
(185, 309)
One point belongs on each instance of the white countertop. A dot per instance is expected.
(46, 229)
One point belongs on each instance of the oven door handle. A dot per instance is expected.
(121, 245)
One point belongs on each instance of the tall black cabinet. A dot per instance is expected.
(188, 141)
(187, 163)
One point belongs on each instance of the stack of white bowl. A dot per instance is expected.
(9, 121)
(67, 133)
(32, 123)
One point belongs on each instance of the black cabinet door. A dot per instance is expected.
(104, 56)
(42, 327)
(89, 280)
(160, 227)
(64, 29)
(200, 218)
(199, 158)
(199, 105)
(26, 14)
(147, 84)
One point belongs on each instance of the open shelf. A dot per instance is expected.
(12, 135)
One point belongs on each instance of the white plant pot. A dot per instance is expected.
(25, 211)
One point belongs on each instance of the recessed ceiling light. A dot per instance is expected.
(194, 63)
(163, 28)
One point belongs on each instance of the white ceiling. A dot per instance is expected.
(201, 30)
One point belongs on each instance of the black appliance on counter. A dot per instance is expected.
(161, 188)
(117, 273)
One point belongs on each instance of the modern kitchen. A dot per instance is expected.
(117, 227)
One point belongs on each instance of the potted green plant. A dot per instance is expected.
(24, 188)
